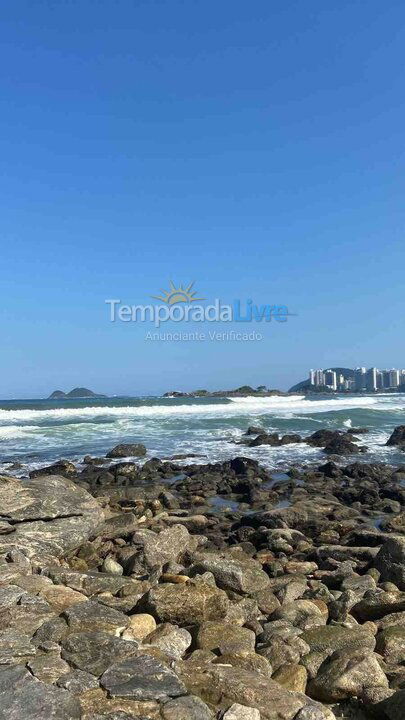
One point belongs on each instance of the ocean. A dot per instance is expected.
(38, 432)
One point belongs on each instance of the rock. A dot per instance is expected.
(225, 638)
(51, 515)
(265, 439)
(186, 708)
(348, 673)
(142, 678)
(377, 603)
(187, 604)
(94, 617)
(341, 445)
(222, 685)
(127, 450)
(398, 436)
(393, 708)
(160, 548)
(292, 677)
(338, 637)
(112, 567)
(240, 575)
(139, 627)
(246, 660)
(15, 647)
(48, 667)
(118, 526)
(323, 437)
(254, 430)
(78, 681)
(304, 614)
(60, 598)
(23, 697)
(391, 644)
(390, 561)
(241, 712)
(173, 641)
(95, 652)
(63, 467)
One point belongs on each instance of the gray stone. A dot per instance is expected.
(23, 697)
(172, 640)
(186, 708)
(78, 681)
(95, 651)
(225, 638)
(51, 515)
(161, 548)
(94, 617)
(14, 647)
(240, 575)
(142, 678)
(48, 667)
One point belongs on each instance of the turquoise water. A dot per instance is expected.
(35, 432)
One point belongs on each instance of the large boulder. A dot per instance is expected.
(390, 561)
(23, 697)
(187, 604)
(127, 450)
(398, 436)
(51, 516)
(242, 575)
(142, 677)
(348, 673)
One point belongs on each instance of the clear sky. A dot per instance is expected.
(256, 148)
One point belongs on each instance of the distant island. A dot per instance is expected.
(243, 391)
(79, 392)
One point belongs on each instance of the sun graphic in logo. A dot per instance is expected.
(178, 294)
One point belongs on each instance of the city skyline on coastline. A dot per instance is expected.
(371, 379)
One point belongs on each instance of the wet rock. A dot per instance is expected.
(127, 450)
(142, 678)
(95, 651)
(398, 436)
(23, 697)
(341, 445)
(187, 604)
(62, 467)
(187, 708)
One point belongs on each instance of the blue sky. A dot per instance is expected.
(255, 148)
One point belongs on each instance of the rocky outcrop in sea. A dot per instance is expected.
(181, 591)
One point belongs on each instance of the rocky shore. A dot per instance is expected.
(171, 590)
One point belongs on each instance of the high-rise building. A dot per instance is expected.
(360, 378)
(371, 379)
(380, 380)
(330, 379)
(393, 378)
(312, 377)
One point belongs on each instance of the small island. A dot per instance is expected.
(79, 392)
(243, 391)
